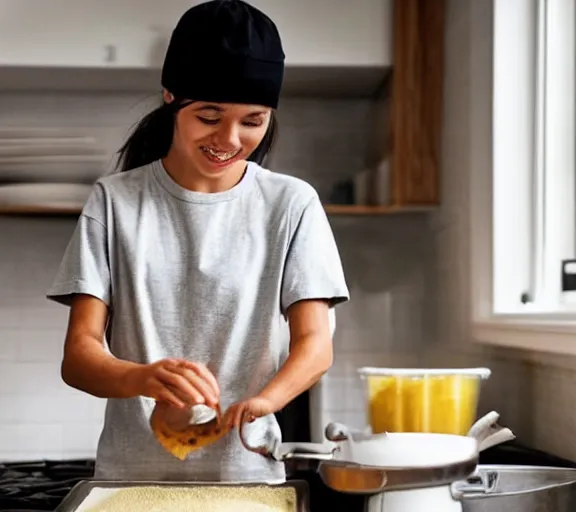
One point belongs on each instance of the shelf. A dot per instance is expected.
(353, 209)
(299, 81)
(331, 209)
(39, 211)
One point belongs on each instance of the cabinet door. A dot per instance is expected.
(417, 101)
(333, 32)
(44, 33)
(82, 33)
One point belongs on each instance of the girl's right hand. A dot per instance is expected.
(180, 383)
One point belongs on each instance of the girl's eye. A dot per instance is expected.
(207, 121)
(250, 124)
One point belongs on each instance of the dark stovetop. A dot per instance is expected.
(42, 485)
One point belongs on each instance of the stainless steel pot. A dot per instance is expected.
(518, 489)
(489, 489)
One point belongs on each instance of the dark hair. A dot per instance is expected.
(152, 137)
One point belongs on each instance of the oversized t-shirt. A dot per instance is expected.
(207, 277)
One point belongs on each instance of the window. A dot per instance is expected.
(524, 217)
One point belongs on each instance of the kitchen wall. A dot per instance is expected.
(533, 392)
(323, 141)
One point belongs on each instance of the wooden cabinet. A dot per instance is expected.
(417, 102)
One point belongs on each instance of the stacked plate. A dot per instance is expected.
(48, 169)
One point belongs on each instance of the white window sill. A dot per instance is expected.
(556, 335)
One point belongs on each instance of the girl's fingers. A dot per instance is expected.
(182, 387)
(206, 374)
(200, 385)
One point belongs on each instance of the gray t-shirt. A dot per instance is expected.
(205, 277)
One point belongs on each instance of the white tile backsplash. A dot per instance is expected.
(9, 345)
(23, 379)
(80, 438)
(30, 440)
(68, 407)
(46, 346)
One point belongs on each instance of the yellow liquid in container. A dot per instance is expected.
(441, 404)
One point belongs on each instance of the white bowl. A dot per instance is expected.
(409, 450)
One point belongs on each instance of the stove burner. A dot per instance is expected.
(40, 485)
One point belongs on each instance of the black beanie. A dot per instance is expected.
(225, 51)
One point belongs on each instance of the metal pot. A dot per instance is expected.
(489, 489)
(518, 489)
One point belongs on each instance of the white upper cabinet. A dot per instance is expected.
(333, 32)
(79, 33)
(133, 33)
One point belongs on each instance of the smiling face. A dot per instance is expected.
(217, 138)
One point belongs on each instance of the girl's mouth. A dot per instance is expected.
(219, 156)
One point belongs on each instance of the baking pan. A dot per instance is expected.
(81, 490)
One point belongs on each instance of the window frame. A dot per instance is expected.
(533, 203)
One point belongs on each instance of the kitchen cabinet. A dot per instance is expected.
(329, 33)
(417, 102)
(65, 33)
(407, 114)
(347, 45)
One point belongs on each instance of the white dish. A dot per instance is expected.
(409, 450)
(44, 195)
(24, 151)
(55, 172)
(6, 160)
(30, 141)
(31, 133)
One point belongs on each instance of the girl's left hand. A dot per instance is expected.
(247, 411)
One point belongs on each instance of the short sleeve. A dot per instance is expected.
(85, 266)
(313, 268)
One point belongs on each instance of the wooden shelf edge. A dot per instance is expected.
(331, 209)
(39, 211)
(354, 81)
(352, 209)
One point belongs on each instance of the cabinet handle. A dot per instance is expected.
(111, 53)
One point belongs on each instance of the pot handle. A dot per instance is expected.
(270, 446)
(483, 427)
(304, 451)
(337, 432)
(501, 436)
(475, 486)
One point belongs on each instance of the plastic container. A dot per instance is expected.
(422, 400)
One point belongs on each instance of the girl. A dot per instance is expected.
(196, 276)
